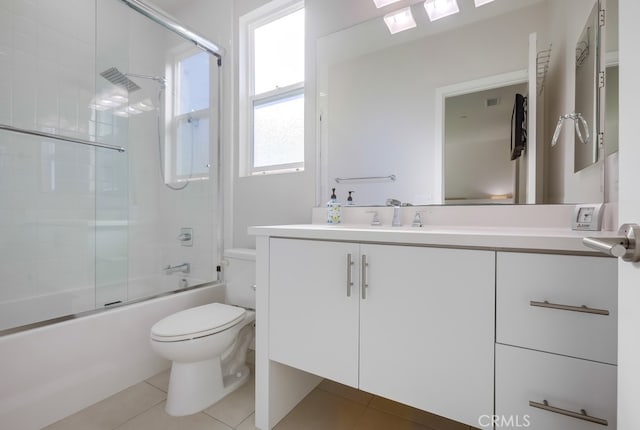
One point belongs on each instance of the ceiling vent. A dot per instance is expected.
(495, 101)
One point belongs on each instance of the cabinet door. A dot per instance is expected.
(313, 320)
(427, 329)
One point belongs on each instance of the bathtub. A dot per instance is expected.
(53, 371)
(74, 301)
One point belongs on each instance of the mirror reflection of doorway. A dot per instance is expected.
(477, 139)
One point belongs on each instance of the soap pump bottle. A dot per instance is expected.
(333, 209)
(350, 199)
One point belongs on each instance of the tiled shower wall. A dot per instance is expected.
(47, 188)
(77, 224)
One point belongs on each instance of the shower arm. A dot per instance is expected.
(170, 23)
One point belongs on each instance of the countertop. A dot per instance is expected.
(556, 240)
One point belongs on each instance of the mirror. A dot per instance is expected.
(377, 103)
(586, 84)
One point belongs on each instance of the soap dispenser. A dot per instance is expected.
(350, 199)
(333, 209)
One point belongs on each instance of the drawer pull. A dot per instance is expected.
(350, 264)
(582, 415)
(582, 308)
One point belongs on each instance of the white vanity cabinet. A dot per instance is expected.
(414, 324)
(313, 324)
(556, 319)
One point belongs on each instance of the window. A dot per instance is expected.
(190, 118)
(272, 90)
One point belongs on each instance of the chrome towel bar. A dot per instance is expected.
(59, 137)
(367, 178)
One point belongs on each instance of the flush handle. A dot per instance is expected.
(623, 245)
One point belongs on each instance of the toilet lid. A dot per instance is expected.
(197, 322)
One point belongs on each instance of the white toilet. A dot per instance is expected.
(208, 344)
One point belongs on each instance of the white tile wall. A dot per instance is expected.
(73, 218)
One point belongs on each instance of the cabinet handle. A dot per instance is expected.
(582, 308)
(364, 284)
(350, 264)
(582, 415)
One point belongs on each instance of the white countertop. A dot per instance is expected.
(499, 238)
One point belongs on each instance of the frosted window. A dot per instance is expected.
(192, 155)
(194, 83)
(279, 132)
(279, 53)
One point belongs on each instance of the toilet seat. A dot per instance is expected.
(197, 322)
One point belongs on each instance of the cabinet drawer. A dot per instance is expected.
(558, 303)
(568, 385)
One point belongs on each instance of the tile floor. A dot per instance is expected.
(330, 406)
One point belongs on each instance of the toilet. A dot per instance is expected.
(208, 344)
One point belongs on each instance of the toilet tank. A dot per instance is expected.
(239, 272)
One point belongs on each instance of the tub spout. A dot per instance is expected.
(184, 268)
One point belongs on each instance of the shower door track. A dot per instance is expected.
(170, 23)
(59, 137)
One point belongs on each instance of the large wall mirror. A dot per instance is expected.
(425, 116)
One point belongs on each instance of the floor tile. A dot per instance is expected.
(237, 406)
(113, 411)
(374, 419)
(248, 424)
(433, 421)
(322, 411)
(345, 391)
(157, 419)
(161, 380)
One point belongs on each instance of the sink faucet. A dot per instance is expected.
(184, 268)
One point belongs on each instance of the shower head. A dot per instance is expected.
(116, 77)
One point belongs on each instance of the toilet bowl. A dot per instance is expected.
(207, 346)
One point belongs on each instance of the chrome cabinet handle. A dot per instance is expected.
(624, 245)
(582, 415)
(363, 277)
(582, 308)
(350, 264)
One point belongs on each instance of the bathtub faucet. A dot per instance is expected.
(184, 268)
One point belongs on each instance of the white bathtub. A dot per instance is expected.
(50, 372)
(27, 310)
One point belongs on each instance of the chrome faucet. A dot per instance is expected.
(184, 268)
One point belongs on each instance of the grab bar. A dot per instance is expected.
(367, 178)
(59, 137)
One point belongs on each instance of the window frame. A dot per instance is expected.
(248, 100)
(173, 119)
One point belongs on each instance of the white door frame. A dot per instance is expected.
(482, 84)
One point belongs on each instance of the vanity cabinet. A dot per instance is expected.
(411, 323)
(556, 319)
